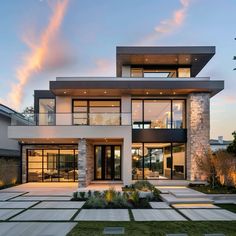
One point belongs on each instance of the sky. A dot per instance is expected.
(42, 39)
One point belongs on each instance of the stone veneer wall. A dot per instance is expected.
(43, 146)
(85, 163)
(198, 128)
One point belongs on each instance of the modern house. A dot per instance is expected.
(150, 122)
(219, 144)
(9, 150)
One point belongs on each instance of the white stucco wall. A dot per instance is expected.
(5, 142)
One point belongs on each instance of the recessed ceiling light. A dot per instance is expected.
(160, 92)
(64, 92)
(174, 93)
(195, 59)
(105, 92)
(147, 92)
(146, 59)
(176, 59)
(85, 92)
(186, 59)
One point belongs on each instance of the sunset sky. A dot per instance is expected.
(42, 39)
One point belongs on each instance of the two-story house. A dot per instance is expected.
(150, 122)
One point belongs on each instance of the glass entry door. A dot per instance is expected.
(107, 162)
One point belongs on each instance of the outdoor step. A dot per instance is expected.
(106, 182)
(171, 199)
(189, 194)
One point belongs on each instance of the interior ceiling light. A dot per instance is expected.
(85, 92)
(64, 92)
(105, 92)
(160, 92)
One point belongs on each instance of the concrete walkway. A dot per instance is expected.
(46, 209)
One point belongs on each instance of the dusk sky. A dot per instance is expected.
(42, 39)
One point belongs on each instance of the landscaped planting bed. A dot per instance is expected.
(134, 196)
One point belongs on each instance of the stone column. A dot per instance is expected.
(82, 165)
(198, 128)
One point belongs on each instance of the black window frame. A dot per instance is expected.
(171, 111)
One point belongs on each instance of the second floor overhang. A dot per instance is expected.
(113, 86)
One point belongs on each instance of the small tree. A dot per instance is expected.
(232, 146)
(225, 165)
(28, 110)
(206, 165)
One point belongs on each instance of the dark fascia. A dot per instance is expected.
(206, 52)
(41, 94)
(165, 50)
(211, 86)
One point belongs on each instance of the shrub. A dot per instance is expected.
(89, 193)
(120, 202)
(95, 203)
(82, 195)
(110, 194)
(75, 195)
(97, 194)
(143, 185)
(156, 194)
(134, 197)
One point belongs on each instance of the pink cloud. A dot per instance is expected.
(47, 53)
(167, 26)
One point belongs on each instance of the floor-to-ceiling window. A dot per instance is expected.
(96, 112)
(46, 114)
(158, 114)
(52, 165)
(158, 161)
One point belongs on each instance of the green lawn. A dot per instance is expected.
(216, 190)
(156, 228)
(229, 207)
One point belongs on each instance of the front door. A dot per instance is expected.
(107, 162)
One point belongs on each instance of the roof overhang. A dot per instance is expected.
(85, 87)
(195, 57)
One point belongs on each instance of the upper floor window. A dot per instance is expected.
(46, 114)
(184, 72)
(96, 112)
(158, 114)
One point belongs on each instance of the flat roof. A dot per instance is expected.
(194, 56)
(113, 86)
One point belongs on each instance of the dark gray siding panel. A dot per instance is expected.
(159, 135)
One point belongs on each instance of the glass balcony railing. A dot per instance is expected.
(53, 119)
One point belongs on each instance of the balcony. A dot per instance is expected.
(71, 119)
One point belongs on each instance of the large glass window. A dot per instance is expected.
(178, 114)
(46, 111)
(158, 114)
(52, 165)
(178, 167)
(96, 112)
(137, 161)
(158, 161)
(137, 114)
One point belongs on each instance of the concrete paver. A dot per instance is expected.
(208, 214)
(7, 213)
(16, 205)
(35, 229)
(159, 205)
(44, 215)
(41, 198)
(195, 206)
(60, 204)
(8, 195)
(103, 215)
(157, 215)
